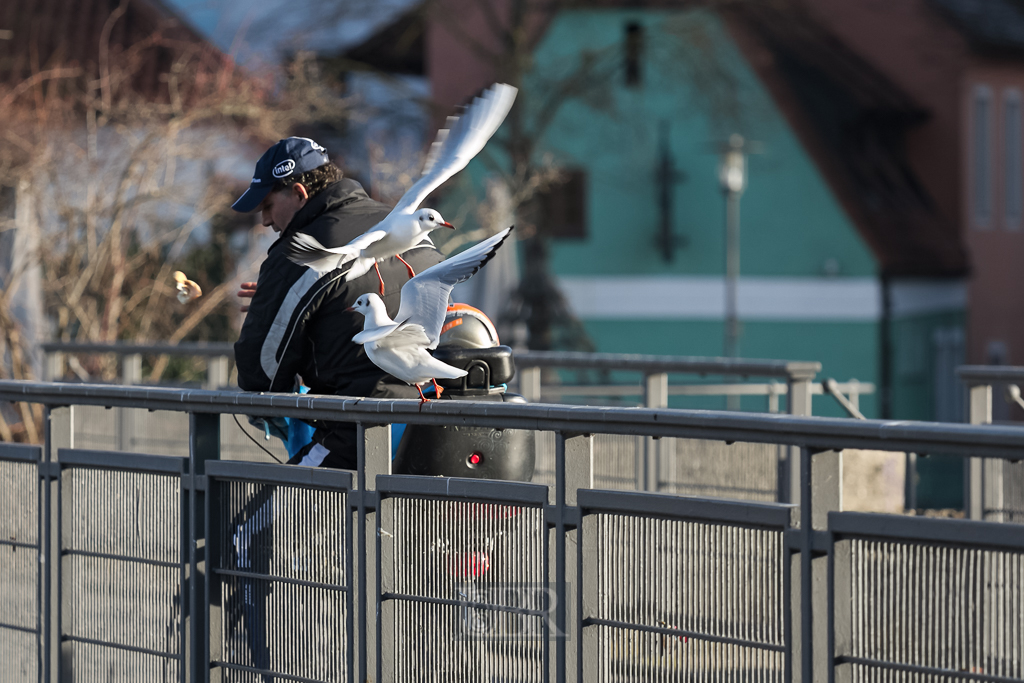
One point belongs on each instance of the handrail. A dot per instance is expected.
(126, 349)
(982, 374)
(700, 365)
(813, 433)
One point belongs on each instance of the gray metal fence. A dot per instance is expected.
(280, 572)
(122, 569)
(916, 599)
(750, 471)
(688, 589)
(21, 542)
(311, 575)
(462, 577)
(993, 489)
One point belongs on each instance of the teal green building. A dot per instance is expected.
(843, 257)
(837, 261)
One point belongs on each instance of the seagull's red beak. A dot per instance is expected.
(448, 225)
(350, 308)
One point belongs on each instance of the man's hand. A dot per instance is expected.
(246, 292)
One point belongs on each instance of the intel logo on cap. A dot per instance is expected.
(284, 168)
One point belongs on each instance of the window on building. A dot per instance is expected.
(634, 53)
(560, 210)
(981, 156)
(1013, 174)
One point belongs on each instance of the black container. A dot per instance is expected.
(471, 452)
(486, 368)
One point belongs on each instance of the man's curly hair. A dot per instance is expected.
(314, 181)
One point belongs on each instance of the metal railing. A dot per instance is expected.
(654, 389)
(696, 467)
(313, 575)
(992, 490)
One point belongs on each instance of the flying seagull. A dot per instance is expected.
(401, 348)
(405, 227)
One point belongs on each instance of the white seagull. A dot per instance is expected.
(405, 227)
(401, 348)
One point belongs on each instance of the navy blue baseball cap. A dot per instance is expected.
(286, 158)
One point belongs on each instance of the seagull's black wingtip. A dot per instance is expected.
(494, 249)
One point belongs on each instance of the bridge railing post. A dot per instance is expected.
(373, 443)
(974, 468)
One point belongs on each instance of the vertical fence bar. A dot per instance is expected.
(204, 444)
(910, 481)
(131, 373)
(574, 469)
(974, 480)
(798, 403)
(806, 636)
(826, 496)
(131, 368)
(840, 620)
(373, 444)
(350, 631)
(529, 384)
(385, 584)
(53, 366)
(821, 490)
(588, 592)
(655, 396)
(216, 372)
(212, 587)
(60, 433)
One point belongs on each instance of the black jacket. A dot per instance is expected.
(297, 323)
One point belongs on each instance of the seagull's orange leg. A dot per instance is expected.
(437, 388)
(423, 399)
(381, 277)
(412, 273)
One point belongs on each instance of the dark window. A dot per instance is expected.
(560, 210)
(1013, 172)
(981, 153)
(634, 53)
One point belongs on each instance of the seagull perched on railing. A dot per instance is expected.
(405, 227)
(401, 348)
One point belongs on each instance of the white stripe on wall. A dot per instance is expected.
(759, 298)
(703, 298)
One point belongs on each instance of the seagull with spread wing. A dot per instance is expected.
(405, 227)
(402, 348)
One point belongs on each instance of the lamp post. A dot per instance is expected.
(732, 176)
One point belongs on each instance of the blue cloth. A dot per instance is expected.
(293, 432)
(396, 438)
(299, 433)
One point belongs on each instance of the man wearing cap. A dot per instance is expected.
(297, 325)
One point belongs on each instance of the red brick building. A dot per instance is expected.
(963, 60)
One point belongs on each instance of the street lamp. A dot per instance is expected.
(732, 176)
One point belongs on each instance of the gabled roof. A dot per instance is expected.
(990, 26)
(854, 122)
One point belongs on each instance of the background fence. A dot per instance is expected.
(746, 470)
(312, 575)
(993, 490)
